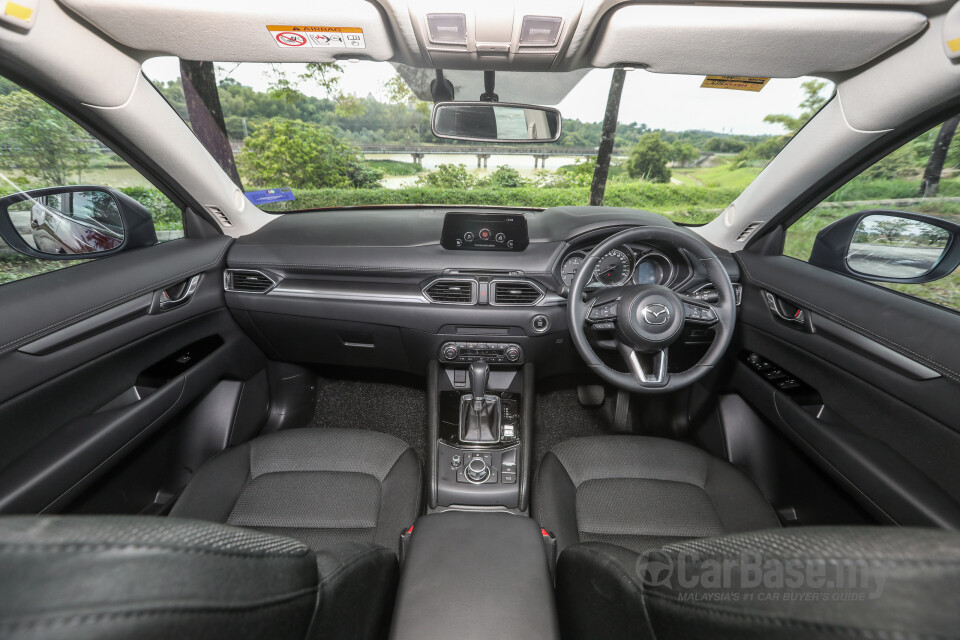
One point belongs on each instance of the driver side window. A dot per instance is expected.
(920, 177)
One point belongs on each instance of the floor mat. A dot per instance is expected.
(561, 416)
(385, 405)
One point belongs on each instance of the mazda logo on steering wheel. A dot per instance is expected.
(656, 314)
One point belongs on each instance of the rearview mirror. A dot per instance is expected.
(495, 122)
(889, 246)
(64, 223)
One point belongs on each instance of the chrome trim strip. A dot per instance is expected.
(325, 291)
(493, 294)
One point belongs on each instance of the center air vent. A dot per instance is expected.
(247, 281)
(515, 292)
(452, 291)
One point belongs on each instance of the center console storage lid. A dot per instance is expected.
(475, 575)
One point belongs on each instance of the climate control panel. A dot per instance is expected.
(490, 352)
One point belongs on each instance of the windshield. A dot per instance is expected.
(305, 136)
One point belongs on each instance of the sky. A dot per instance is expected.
(671, 102)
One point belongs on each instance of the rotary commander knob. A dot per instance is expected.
(477, 471)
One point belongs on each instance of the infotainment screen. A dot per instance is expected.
(484, 232)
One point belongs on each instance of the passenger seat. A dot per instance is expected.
(348, 494)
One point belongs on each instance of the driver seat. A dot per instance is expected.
(640, 493)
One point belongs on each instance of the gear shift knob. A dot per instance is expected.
(479, 373)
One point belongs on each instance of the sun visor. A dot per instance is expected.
(750, 41)
(243, 30)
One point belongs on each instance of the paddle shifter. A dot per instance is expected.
(479, 413)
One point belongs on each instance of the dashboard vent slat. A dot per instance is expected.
(519, 292)
(246, 281)
(452, 291)
(748, 230)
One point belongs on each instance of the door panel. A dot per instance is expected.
(882, 420)
(91, 365)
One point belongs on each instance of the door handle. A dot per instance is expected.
(180, 295)
(784, 310)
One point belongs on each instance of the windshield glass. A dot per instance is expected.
(307, 136)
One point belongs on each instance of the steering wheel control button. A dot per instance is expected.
(604, 311)
(540, 323)
(500, 237)
(604, 326)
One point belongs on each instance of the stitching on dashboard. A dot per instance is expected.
(906, 351)
(83, 315)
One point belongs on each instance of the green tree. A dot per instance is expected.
(448, 176)
(683, 153)
(504, 177)
(648, 159)
(293, 153)
(813, 101)
(40, 141)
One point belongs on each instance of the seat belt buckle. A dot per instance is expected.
(405, 536)
(550, 546)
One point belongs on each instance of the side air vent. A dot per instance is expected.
(748, 230)
(220, 216)
(515, 292)
(247, 281)
(452, 291)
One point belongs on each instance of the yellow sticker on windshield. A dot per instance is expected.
(737, 83)
(293, 36)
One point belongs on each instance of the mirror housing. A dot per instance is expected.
(119, 223)
(924, 248)
(495, 122)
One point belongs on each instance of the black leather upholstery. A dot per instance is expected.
(890, 583)
(141, 577)
(321, 486)
(639, 492)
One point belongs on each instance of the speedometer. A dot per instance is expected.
(613, 268)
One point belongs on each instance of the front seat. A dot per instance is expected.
(639, 493)
(348, 494)
(97, 577)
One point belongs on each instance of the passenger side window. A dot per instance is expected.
(39, 148)
(921, 177)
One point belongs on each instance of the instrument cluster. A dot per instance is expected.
(627, 264)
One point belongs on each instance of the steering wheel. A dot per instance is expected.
(649, 318)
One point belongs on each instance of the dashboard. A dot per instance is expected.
(388, 287)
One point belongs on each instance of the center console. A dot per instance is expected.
(480, 427)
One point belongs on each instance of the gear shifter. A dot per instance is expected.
(479, 413)
(479, 373)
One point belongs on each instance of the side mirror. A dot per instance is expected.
(889, 246)
(495, 122)
(62, 223)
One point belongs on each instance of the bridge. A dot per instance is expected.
(483, 152)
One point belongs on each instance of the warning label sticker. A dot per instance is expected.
(324, 37)
(737, 83)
